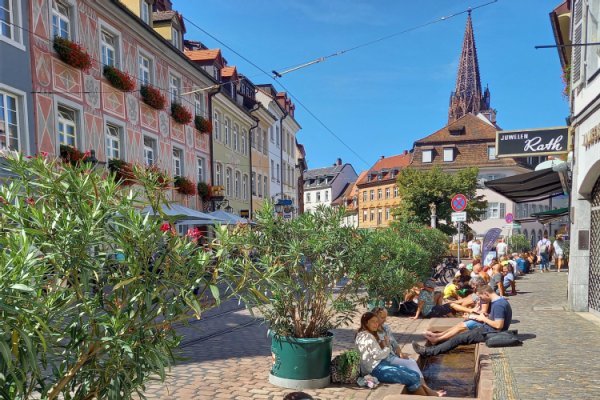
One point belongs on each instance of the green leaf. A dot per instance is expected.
(21, 287)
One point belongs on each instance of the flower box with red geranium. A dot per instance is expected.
(72, 53)
(185, 186)
(202, 124)
(72, 155)
(180, 114)
(119, 79)
(123, 171)
(153, 97)
(203, 191)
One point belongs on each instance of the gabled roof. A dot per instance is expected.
(466, 128)
(345, 194)
(384, 166)
(204, 55)
(320, 174)
(228, 72)
(170, 15)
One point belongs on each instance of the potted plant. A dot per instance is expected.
(301, 262)
(119, 79)
(202, 124)
(72, 155)
(345, 368)
(185, 186)
(153, 97)
(203, 191)
(123, 171)
(180, 114)
(72, 53)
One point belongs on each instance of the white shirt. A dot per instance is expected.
(501, 248)
(558, 248)
(476, 247)
(371, 353)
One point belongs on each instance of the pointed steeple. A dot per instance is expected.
(468, 96)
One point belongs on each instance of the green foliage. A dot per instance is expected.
(518, 243)
(301, 261)
(349, 362)
(90, 287)
(433, 241)
(419, 188)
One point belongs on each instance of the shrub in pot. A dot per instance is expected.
(302, 261)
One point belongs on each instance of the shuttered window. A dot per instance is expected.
(577, 66)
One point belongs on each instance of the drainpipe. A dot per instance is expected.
(211, 149)
(255, 108)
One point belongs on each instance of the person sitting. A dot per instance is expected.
(409, 305)
(522, 264)
(463, 273)
(451, 289)
(496, 281)
(498, 320)
(508, 280)
(428, 306)
(373, 359)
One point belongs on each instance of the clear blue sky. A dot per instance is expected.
(381, 98)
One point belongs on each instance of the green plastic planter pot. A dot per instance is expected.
(301, 363)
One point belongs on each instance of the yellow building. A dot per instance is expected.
(261, 178)
(378, 193)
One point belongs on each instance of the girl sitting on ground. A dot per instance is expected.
(373, 359)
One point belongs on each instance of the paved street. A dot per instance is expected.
(228, 356)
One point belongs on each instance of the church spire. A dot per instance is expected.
(468, 96)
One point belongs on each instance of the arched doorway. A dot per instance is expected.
(594, 290)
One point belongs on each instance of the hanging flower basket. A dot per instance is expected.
(153, 97)
(71, 155)
(72, 53)
(123, 171)
(202, 124)
(203, 191)
(180, 114)
(185, 186)
(119, 79)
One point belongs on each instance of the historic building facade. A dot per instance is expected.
(80, 108)
(323, 185)
(261, 178)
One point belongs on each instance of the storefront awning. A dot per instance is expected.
(545, 217)
(528, 187)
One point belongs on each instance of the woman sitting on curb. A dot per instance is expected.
(373, 359)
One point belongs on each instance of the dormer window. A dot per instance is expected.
(176, 38)
(369, 178)
(146, 12)
(427, 156)
(448, 154)
(379, 176)
(457, 131)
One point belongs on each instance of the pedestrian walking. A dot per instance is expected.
(559, 252)
(476, 249)
(543, 249)
(501, 248)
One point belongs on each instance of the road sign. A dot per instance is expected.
(459, 202)
(512, 225)
(509, 218)
(459, 216)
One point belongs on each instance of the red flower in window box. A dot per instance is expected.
(185, 186)
(180, 114)
(202, 124)
(119, 79)
(153, 97)
(72, 53)
(71, 155)
(203, 191)
(123, 171)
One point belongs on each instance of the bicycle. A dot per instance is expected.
(444, 272)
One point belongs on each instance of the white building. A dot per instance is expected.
(323, 185)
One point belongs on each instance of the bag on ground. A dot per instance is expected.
(503, 339)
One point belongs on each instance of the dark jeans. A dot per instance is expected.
(474, 336)
(439, 311)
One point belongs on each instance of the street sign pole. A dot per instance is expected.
(459, 224)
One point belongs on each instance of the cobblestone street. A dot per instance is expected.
(227, 356)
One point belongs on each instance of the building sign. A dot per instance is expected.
(591, 137)
(245, 213)
(532, 142)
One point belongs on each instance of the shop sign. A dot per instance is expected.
(532, 142)
(591, 137)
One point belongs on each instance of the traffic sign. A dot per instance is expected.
(459, 216)
(459, 202)
(509, 218)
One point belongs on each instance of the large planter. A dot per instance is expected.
(301, 363)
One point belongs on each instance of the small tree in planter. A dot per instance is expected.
(202, 124)
(203, 191)
(185, 186)
(180, 114)
(123, 171)
(302, 261)
(72, 53)
(119, 79)
(153, 97)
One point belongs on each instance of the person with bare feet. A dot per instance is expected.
(427, 307)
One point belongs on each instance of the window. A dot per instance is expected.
(364, 195)
(318, 196)
(308, 197)
(372, 194)
(265, 146)
(67, 126)
(243, 143)
(372, 216)
(218, 174)
(61, 19)
(245, 187)
(217, 126)
(272, 170)
(327, 195)
(365, 215)
(592, 60)
(149, 151)
(228, 188)
(427, 156)
(226, 133)
(200, 104)
(379, 194)
(259, 185)
(265, 186)
(176, 38)
(145, 69)
(200, 163)
(448, 154)
(108, 48)
(387, 213)
(235, 137)
(113, 142)
(379, 216)
(387, 193)
(174, 88)
(496, 210)
(145, 11)
(9, 122)
(396, 191)
(272, 134)
(10, 22)
(236, 185)
(491, 152)
(177, 162)
(278, 174)
(277, 136)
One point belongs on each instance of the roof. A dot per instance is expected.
(227, 72)
(319, 175)
(384, 166)
(346, 193)
(161, 16)
(203, 55)
(467, 128)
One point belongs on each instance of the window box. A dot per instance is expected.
(202, 124)
(203, 191)
(180, 114)
(72, 53)
(184, 186)
(123, 171)
(71, 155)
(153, 97)
(119, 79)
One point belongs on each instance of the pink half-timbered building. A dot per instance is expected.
(81, 108)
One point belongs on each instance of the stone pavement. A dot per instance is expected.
(227, 356)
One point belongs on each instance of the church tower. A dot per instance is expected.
(468, 96)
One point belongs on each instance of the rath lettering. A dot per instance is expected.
(535, 144)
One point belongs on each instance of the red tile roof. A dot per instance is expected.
(203, 55)
(386, 163)
(469, 127)
(227, 72)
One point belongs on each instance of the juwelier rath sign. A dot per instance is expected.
(532, 142)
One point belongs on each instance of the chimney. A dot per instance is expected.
(338, 161)
(405, 152)
(382, 157)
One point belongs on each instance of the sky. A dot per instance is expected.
(379, 99)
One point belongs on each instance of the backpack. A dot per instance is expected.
(503, 339)
(544, 247)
